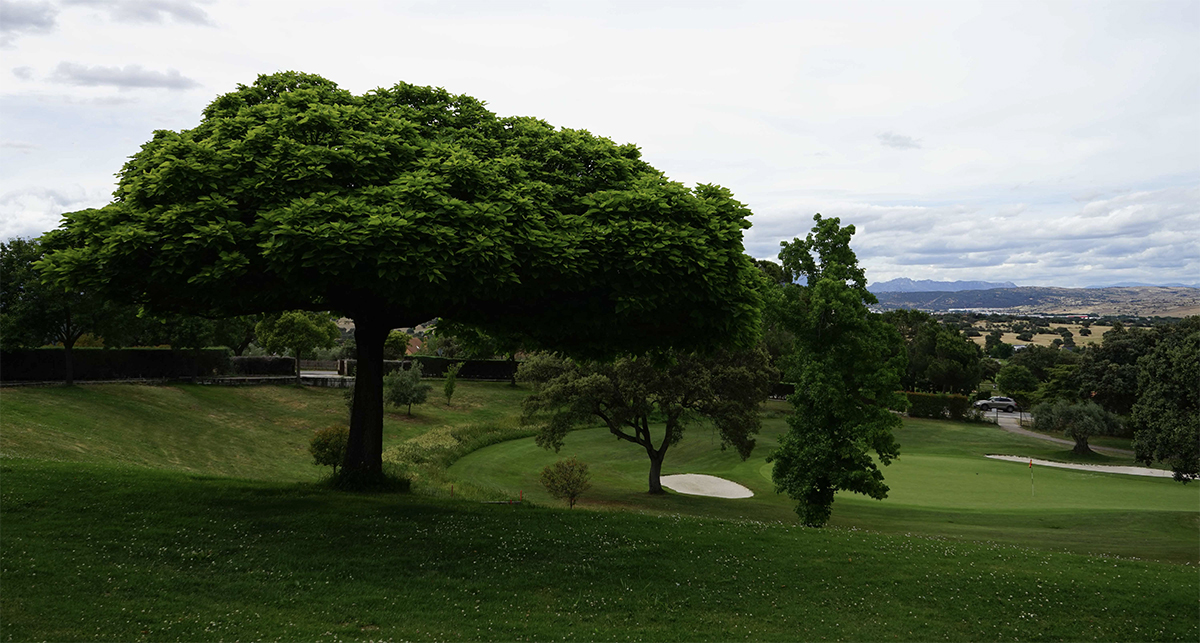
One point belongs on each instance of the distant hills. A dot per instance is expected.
(903, 284)
(1145, 301)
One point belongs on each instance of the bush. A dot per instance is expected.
(263, 365)
(940, 406)
(451, 381)
(566, 479)
(328, 446)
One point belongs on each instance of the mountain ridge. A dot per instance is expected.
(1142, 301)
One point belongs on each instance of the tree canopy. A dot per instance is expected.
(1166, 416)
(846, 367)
(405, 204)
(632, 395)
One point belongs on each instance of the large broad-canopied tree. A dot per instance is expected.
(405, 204)
(846, 367)
(1166, 416)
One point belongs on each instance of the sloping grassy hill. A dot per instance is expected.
(188, 513)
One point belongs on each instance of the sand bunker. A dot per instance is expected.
(695, 484)
(1095, 468)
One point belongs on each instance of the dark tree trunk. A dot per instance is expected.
(1081, 446)
(297, 352)
(656, 462)
(364, 450)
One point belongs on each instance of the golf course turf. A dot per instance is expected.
(139, 540)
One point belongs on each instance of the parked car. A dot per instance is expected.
(1006, 404)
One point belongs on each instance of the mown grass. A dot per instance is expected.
(942, 485)
(190, 513)
(247, 432)
(117, 553)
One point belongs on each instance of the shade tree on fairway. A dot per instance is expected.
(405, 204)
(1078, 421)
(847, 369)
(630, 394)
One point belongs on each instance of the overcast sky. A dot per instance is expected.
(1051, 143)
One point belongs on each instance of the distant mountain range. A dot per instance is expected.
(903, 284)
(1141, 301)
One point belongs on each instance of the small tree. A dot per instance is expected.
(396, 345)
(328, 446)
(567, 479)
(299, 331)
(405, 388)
(451, 380)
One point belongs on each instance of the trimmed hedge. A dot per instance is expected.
(49, 364)
(939, 405)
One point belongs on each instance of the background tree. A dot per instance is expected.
(1166, 416)
(299, 331)
(1017, 382)
(328, 446)
(633, 395)
(34, 313)
(236, 333)
(403, 387)
(410, 203)
(940, 358)
(847, 369)
(1040, 359)
(566, 479)
(1078, 421)
(1108, 373)
(396, 345)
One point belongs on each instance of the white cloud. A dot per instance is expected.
(25, 18)
(898, 141)
(130, 76)
(30, 212)
(149, 11)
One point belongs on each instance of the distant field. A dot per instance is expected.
(1046, 340)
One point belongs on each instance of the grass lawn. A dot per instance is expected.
(96, 552)
(940, 486)
(190, 513)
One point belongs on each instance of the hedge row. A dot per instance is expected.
(49, 364)
(262, 365)
(938, 405)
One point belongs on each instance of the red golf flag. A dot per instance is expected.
(1031, 463)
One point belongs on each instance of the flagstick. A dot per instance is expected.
(1031, 492)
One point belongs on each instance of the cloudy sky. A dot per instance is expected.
(1048, 143)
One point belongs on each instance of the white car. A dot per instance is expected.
(1006, 404)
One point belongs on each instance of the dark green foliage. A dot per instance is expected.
(629, 394)
(940, 358)
(1016, 381)
(1040, 359)
(1025, 336)
(1166, 416)
(939, 406)
(847, 368)
(409, 203)
(566, 479)
(1108, 373)
(1078, 421)
(403, 387)
(328, 446)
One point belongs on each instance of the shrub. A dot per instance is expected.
(926, 405)
(328, 446)
(566, 479)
